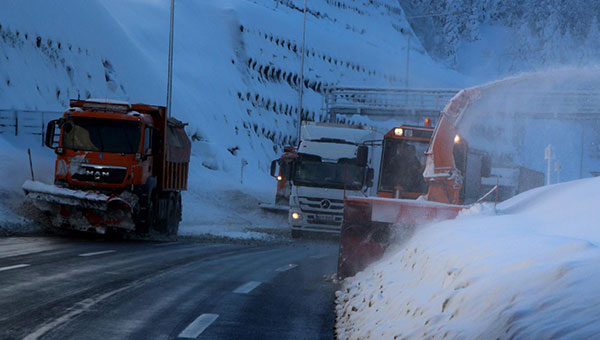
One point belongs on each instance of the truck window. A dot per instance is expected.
(402, 166)
(101, 135)
(147, 139)
(316, 173)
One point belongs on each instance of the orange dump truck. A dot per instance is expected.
(120, 167)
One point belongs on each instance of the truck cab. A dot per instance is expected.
(332, 161)
(119, 166)
(105, 146)
(403, 162)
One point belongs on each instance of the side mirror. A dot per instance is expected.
(362, 155)
(274, 168)
(50, 134)
(370, 176)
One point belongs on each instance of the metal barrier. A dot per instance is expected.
(385, 102)
(26, 122)
(421, 103)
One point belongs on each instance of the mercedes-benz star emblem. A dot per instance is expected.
(325, 204)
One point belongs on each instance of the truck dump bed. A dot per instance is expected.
(172, 165)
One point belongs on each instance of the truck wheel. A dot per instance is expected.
(173, 213)
(147, 215)
(179, 208)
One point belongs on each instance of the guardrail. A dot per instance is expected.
(384, 102)
(26, 122)
(392, 103)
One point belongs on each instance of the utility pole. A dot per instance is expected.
(548, 156)
(170, 74)
(301, 75)
(581, 155)
(407, 60)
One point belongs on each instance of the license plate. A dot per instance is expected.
(325, 218)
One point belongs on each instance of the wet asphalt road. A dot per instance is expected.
(69, 288)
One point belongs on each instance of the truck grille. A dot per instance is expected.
(100, 173)
(321, 205)
(322, 211)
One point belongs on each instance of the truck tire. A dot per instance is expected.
(147, 215)
(179, 207)
(173, 213)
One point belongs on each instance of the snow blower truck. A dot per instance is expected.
(119, 168)
(413, 190)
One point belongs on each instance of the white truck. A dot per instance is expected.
(333, 161)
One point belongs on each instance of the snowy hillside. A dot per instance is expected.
(236, 63)
(527, 271)
(236, 74)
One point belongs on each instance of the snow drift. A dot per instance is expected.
(528, 270)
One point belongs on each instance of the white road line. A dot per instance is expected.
(16, 266)
(286, 267)
(78, 308)
(198, 326)
(247, 287)
(165, 244)
(97, 253)
(318, 256)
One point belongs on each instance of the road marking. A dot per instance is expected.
(193, 330)
(77, 309)
(247, 287)
(318, 256)
(16, 266)
(97, 253)
(165, 244)
(286, 267)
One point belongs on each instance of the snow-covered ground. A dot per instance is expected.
(527, 270)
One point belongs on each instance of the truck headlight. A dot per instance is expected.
(279, 178)
(457, 139)
(398, 131)
(295, 215)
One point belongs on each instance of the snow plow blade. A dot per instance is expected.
(274, 208)
(82, 210)
(371, 224)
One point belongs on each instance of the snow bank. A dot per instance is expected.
(530, 271)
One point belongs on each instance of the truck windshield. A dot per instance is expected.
(102, 135)
(402, 166)
(329, 175)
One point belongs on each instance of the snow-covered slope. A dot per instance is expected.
(527, 271)
(236, 69)
(236, 62)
